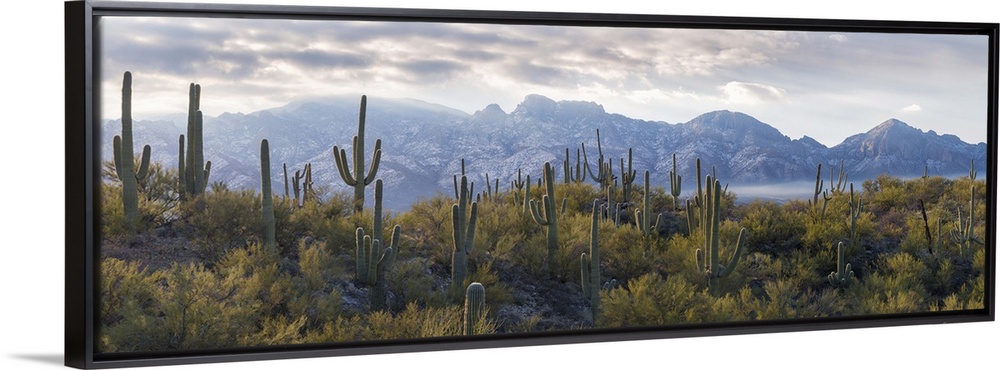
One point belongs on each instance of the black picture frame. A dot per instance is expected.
(82, 172)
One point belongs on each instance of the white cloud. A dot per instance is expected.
(750, 93)
(912, 108)
(838, 38)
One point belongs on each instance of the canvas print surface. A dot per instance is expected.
(271, 182)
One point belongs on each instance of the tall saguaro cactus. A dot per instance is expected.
(463, 232)
(372, 262)
(475, 308)
(377, 221)
(627, 176)
(675, 183)
(708, 260)
(266, 199)
(125, 160)
(964, 232)
(573, 174)
(643, 216)
(818, 190)
(590, 266)
(516, 186)
(545, 215)
(192, 169)
(856, 207)
(359, 180)
(604, 176)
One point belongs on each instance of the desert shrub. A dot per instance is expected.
(158, 198)
(414, 322)
(679, 257)
(579, 196)
(113, 222)
(649, 300)
(219, 222)
(622, 252)
(497, 293)
(411, 281)
(728, 308)
(429, 222)
(531, 253)
(771, 228)
(338, 329)
(497, 222)
(314, 296)
(127, 307)
(326, 219)
(897, 286)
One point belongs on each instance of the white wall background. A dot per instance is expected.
(31, 251)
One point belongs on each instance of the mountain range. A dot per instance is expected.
(423, 145)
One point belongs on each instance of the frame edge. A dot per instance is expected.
(78, 289)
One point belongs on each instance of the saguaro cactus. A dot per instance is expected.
(841, 180)
(546, 215)
(843, 276)
(475, 308)
(358, 180)
(195, 170)
(372, 262)
(266, 200)
(627, 177)
(964, 232)
(463, 232)
(571, 174)
(675, 183)
(516, 186)
(125, 161)
(856, 207)
(818, 190)
(710, 223)
(643, 216)
(590, 266)
(377, 221)
(604, 176)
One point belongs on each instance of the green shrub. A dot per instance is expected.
(219, 222)
(415, 322)
(649, 300)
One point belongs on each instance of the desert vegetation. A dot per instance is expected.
(187, 263)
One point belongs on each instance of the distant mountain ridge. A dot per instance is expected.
(423, 144)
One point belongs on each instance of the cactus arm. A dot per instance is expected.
(208, 172)
(729, 267)
(376, 160)
(116, 144)
(374, 257)
(470, 233)
(340, 158)
(143, 163)
(538, 216)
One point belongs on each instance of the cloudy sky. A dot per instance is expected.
(824, 85)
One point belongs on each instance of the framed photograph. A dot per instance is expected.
(252, 182)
